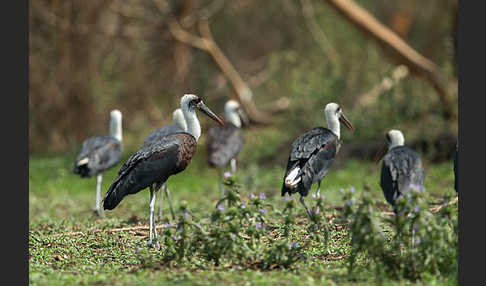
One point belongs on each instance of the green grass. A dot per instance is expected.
(60, 202)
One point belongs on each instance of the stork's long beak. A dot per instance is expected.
(244, 118)
(201, 106)
(381, 153)
(346, 122)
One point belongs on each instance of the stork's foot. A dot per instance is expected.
(155, 243)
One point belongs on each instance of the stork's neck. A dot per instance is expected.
(233, 118)
(116, 128)
(395, 144)
(333, 124)
(193, 126)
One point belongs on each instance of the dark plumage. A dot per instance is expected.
(103, 152)
(224, 143)
(401, 170)
(153, 163)
(161, 133)
(314, 153)
(157, 160)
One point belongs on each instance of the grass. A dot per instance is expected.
(60, 203)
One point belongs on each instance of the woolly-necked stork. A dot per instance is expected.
(100, 153)
(225, 142)
(402, 167)
(154, 163)
(313, 153)
(179, 125)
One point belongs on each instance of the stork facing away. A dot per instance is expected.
(178, 125)
(225, 142)
(313, 153)
(99, 154)
(402, 167)
(155, 162)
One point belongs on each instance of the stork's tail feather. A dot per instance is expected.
(218, 159)
(291, 181)
(82, 170)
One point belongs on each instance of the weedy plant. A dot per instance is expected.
(420, 242)
(237, 234)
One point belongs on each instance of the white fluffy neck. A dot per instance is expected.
(396, 138)
(179, 120)
(234, 118)
(193, 126)
(333, 123)
(116, 126)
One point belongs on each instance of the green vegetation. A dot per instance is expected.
(69, 245)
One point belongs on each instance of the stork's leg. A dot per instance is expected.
(233, 166)
(98, 208)
(220, 185)
(167, 193)
(160, 203)
(306, 209)
(152, 228)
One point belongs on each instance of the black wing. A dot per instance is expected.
(153, 163)
(161, 132)
(313, 153)
(102, 153)
(401, 169)
(224, 144)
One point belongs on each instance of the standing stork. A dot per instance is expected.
(313, 153)
(100, 153)
(402, 167)
(178, 125)
(155, 162)
(225, 142)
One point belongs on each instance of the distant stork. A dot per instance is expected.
(179, 125)
(402, 167)
(100, 153)
(155, 162)
(313, 153)
(225, 142)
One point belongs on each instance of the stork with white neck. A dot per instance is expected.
(313, 153)
(178, 125)
(153, 164)
(99, 154)
(402, 167)
(225, 142)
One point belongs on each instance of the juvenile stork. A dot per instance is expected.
(402, 167)
(178, 125)
(313, 153)
(100, 153)
(155, 162)
(225, 142)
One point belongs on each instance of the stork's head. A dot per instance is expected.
(191, 102)
(393, 138)
(334, 115)
(116, 124)
(178, 118)
(235, 114)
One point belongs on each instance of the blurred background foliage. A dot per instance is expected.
(88, 57)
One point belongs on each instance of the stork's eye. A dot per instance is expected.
(339, 109)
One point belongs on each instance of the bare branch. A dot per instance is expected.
(387, 83)
(405, 54)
